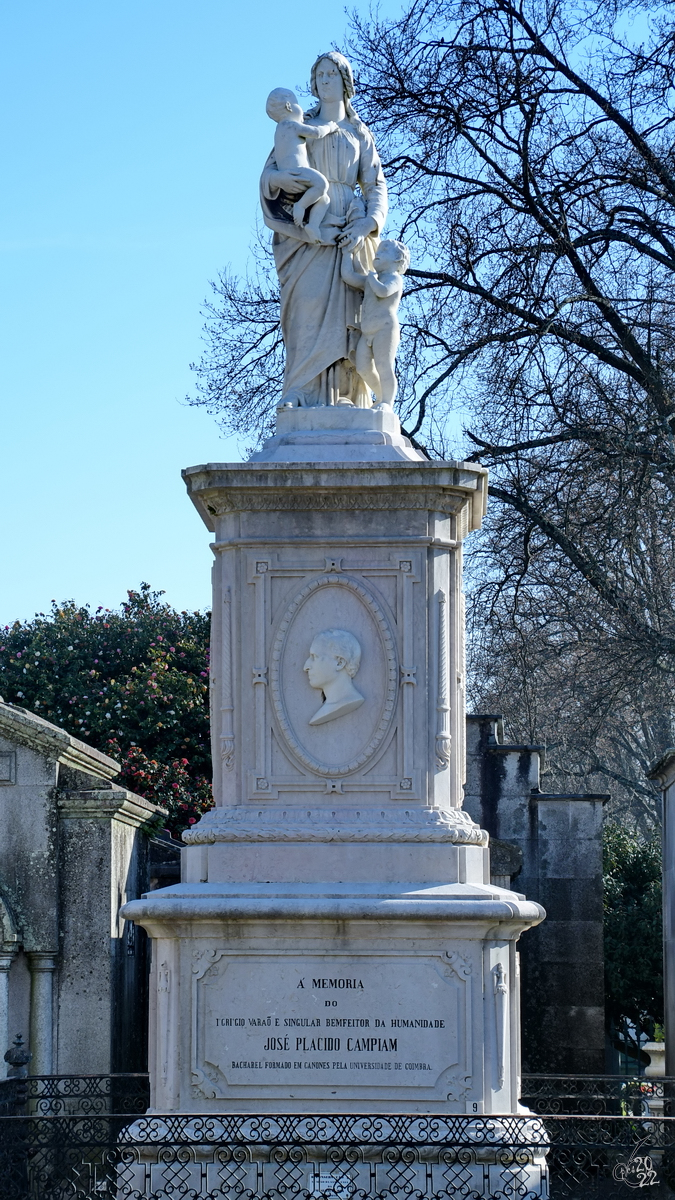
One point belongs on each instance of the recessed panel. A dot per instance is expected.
(333, 675)
(333, 1020)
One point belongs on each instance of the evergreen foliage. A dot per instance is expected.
(633, 929)
(132, 683)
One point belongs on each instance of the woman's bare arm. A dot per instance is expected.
(351, 272)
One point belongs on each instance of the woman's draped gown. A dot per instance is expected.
(319, 313)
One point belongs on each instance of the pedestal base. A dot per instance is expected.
(336, 946)
(337, 433)
(335, 997)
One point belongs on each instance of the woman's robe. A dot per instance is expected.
(319, 312)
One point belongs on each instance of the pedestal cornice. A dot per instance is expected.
(109, 804)
(491, 906)
(447, 487)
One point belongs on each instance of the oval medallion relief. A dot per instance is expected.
(334, 675)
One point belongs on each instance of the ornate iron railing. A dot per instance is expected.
(597, 1095)
(75, 1095)
(589, 1095)
(340, 1157)
(346, 1157)
(88, 1138)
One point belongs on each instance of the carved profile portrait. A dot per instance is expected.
(334, 659)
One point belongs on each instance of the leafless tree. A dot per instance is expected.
(241, 369)
(531, 152)
(553, 660)
(529, 149)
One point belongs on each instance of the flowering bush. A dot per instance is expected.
(170, 784)
(132, 682)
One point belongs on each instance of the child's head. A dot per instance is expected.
(393, 255)
(282, 103)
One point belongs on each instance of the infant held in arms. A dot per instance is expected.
(290, 153)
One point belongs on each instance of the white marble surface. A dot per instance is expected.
(292, 998)
(336, 583)
(320, 312)
(293, 171)
(380, 332)
(337, 433)
(300, 551)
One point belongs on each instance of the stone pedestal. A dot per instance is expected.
(337, 433)
(336, 945)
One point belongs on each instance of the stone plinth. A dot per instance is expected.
(373, 550)
(281, 998)
(336, 944)
(337, 433)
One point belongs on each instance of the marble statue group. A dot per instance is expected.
(324, 195)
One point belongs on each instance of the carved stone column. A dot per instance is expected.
(6, 960)
(42, 967)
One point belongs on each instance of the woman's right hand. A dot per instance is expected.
(299, 187)
(356, 233)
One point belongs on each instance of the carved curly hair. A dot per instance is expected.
(400, 252)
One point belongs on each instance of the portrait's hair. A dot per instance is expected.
(276, 101)
(342, 645)
(344, 67)
(396, 251)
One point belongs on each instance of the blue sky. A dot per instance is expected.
(132, 137)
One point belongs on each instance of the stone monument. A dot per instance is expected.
(74, 844)
(336, 944)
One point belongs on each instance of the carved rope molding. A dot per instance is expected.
(443, 737)
(246, 823)
(227, 705)
(308, 760)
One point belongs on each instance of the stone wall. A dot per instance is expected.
(73, 849)
(558, 839)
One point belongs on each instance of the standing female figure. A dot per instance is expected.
(319, 311)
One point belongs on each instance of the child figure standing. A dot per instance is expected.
(380, 330)
(290, 153)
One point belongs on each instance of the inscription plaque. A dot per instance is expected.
(351, 1021)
